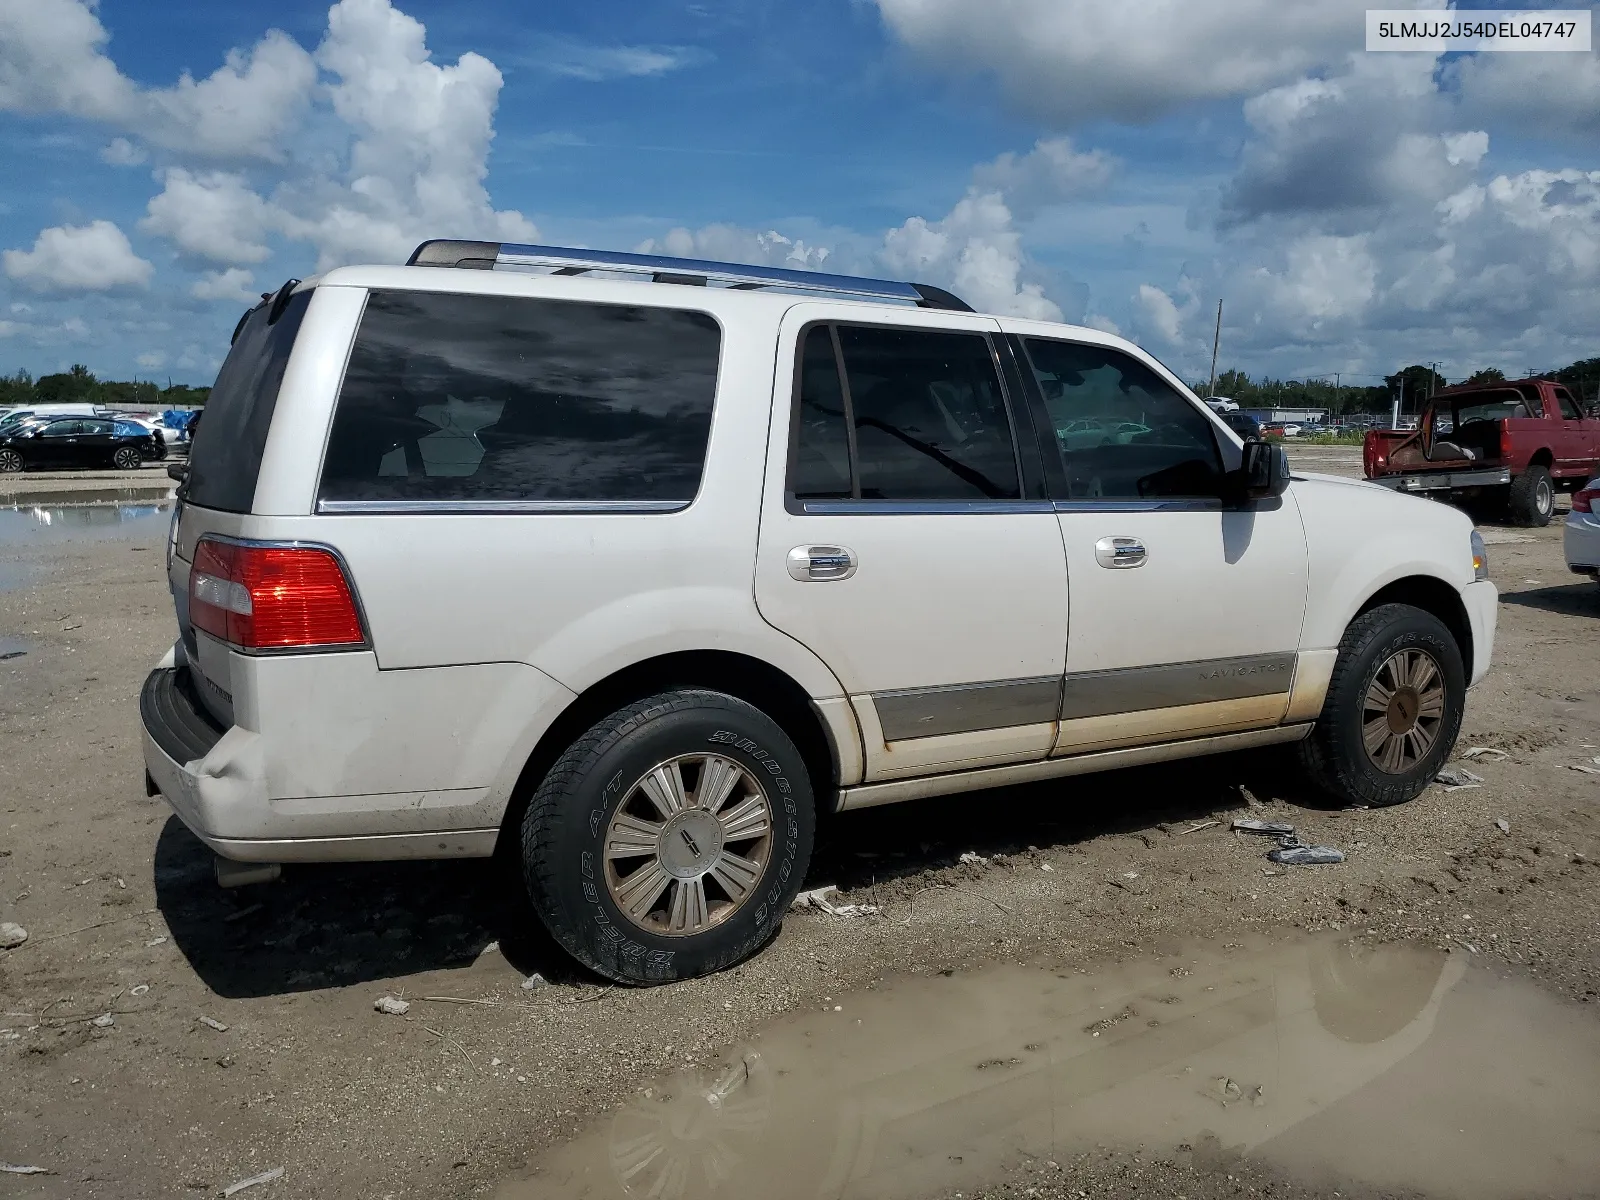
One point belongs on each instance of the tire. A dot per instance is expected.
(607, 777)
(1335, 755)
(10, 461)
(127, 458)
(1532, 498)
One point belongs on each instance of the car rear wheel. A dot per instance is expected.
(669, 840)
(10, 461)
(1393, 709)
(1532, 498)
(127, 458)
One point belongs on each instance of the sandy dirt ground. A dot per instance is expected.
(162, 1037)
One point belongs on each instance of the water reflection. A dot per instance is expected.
(52, 524)
(1390, 1066)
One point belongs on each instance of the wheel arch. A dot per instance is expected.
(1542, 457)
(1432, 595)
(758, 683)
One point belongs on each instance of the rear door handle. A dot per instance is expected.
(820, 564)
(1119, 553)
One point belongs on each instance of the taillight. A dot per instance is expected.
(1584, 501)
(264, 597)
(1505, 442)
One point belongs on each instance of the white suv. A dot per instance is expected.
(633, 566)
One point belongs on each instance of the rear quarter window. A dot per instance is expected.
(458, 399)
(225, 458)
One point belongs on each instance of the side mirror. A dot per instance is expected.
(1263, 471)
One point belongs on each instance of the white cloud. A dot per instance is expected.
(975, 250)
(1052, 172)
(214, 216)
(419, 145)
(151, 361)
(232, 284)
(1070, 61)
(594, 64)
(1160, 313)
(87, 258)
(120, 152)
(53, 60)
(1547, 94)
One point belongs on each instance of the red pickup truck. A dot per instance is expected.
(1512, 445)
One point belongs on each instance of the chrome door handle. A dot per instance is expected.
(1120, 552)
(818, 564)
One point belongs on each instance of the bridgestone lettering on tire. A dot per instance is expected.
(669, 840)
(1393, 710)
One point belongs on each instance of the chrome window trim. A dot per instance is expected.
(1112, 505)
(496, 507)
(902, 508)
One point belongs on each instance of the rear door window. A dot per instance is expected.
(225, 458)
(465, 400)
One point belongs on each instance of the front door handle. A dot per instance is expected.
(1120, 552)
(819, 564)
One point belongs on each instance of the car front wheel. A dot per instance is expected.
(10, 461)
(1393, 709)
(669, 840)
(127, 458)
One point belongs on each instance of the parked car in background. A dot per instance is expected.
(77, 442)
(157, 448)
(747, 614)
(1582, 532)
(1513, 444)
(31, 412)
(1246, 426)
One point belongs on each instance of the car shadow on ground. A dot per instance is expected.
(336, 924)
(339, 924)
(1570, 600)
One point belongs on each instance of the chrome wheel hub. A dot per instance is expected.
(688, 844)
(1402, 711)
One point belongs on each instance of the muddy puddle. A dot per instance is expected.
(1337, 1064)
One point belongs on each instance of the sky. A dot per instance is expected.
(1121, 164)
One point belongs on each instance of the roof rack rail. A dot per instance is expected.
(485, 256)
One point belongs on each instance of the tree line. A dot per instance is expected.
(1410, 385)
(80, 385)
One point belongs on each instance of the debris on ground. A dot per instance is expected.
(818, 898)
(1453, 777)
(253, 1181)
(10, 1169)
(12, 935)
(972, 859)
(1250, 798)
(1299, 855)
(1503, 825)
(535, 980)
(139, 989)
(103, 1021)
(392, 1005)
(1271, 828)
(211, 1023)
(1578, 767)
(1046, 867)
(1479, 751)
(1198, 826)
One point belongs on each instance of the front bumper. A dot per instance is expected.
(1482, 602)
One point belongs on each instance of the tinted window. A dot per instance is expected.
(62, 429)
(820, 467)
(462, 398)
(104, 427)
(929, 418)
(1569, 409)
(226, 455)
(1124, 432)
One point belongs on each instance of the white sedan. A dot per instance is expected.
(1583, 531)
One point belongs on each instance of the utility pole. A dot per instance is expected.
(1216, 340)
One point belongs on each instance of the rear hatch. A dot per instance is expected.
(224, 462)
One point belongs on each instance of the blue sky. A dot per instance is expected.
(1120, 165)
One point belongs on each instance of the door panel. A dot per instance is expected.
(1186, 616)
(937, 589)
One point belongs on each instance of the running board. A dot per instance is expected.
(896, 790)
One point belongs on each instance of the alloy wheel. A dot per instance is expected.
(10, 461)
(127, 458)
(688, 844)
(1402, 711)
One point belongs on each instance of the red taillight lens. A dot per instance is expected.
(1584, 501)
(1505, 442)
(272, 597)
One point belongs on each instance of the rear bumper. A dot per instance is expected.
(215, 781)
(1582, 542)
(1445, 481)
